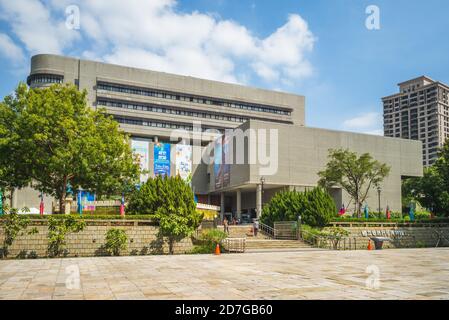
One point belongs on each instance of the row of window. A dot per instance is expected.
(44, 78)
(183, 97)
(159, 109)
(161, 124)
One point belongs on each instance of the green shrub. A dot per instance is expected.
(170, 201)
(316, 207)
(116, 240)
(57, 231)
(209, 239)
(14, 225)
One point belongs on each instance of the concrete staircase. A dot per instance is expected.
(257, 245)
(263, 243)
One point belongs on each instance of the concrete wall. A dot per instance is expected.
(87, 73)
(402, 235)
(303, 152)
(142, 240)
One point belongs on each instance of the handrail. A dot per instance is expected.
(328, 241)
(266, 229)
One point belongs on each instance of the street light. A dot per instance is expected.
(379, 190)
(262, 181)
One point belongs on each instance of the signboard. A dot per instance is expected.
(226, 162)
(141, 150)
(162, 159)
(184, 161)
(222, 166)
(218, 163)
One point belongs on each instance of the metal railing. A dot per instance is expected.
(328, 241)
(234, 244)
(266, 230)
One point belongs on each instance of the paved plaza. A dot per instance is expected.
(312, 274)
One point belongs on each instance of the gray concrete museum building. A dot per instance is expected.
(151, 106)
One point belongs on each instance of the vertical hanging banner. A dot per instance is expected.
(184, 161)
(226, 162)
(141, 150)
(218, 162)
(162, 159)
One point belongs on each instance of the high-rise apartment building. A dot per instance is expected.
(420, 111)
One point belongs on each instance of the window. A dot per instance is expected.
(166, 95)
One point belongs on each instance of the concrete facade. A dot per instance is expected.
(420, 111)
(302, 153)
(150, 105)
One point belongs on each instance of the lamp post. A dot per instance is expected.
(379, 190)
(262, 181)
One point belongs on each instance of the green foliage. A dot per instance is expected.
(213, 236)
(13, 169)
(57, 138)
(316, 207)
(14, 225)
(335, 234)
(171, 202)
(355, 174)
(116, 240)
(58, 229)
(209, 239)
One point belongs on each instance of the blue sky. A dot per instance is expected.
(320, 49)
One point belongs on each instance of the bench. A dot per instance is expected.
(379, 241)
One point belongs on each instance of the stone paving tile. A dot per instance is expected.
(315, 274)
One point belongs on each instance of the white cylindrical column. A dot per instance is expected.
(239, 204)
(259, 200)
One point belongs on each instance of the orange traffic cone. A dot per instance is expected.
(217, 250)
(370, 247)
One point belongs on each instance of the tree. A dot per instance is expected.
(316, 207)
(62, 140)
(432, 190)
(13, 169)
(171, 202)
(355, 174)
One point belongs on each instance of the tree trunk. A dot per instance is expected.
(170, 245)
(11, 198)
(63, 196)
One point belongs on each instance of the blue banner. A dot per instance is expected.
(162, 159)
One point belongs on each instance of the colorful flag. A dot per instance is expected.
(41, 205)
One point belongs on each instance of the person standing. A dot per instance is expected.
(226, 225)
(256, 227)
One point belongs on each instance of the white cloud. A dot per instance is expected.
(370, 123)
(366, 120)
(33, 23)
(155, 34)
(10, 50)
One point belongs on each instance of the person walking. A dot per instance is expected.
(256, 227)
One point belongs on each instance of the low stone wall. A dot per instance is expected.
(404, 235)
(143, 239)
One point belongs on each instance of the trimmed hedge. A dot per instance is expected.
(397, 220)
(86, 217)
